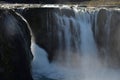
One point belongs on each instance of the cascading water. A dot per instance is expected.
(77, 54)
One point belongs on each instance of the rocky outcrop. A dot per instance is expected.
(107, 36)
(15, 52)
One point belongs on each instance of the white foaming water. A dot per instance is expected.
(79, 64)
(41, 67)
(40, 64)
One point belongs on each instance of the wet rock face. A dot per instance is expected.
(41, 22)
(101, 33)
(108, 30)
(114, 41)
(15, 53)
(44, 25)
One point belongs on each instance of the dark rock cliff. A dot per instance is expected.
(15, 41)
(107, 36)
(38, 18)
(45, 28)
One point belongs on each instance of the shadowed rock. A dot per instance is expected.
(44, 25)
(107, 36)
(15, 41)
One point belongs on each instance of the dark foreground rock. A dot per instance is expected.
(15, 41)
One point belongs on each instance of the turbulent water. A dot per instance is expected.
(77, 56)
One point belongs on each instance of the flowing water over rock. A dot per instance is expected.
(69, 42)
(83, 50)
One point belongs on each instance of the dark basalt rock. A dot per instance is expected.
(114, 39)
(107, 36)
(66, 12)
(15, 52)
(45, 27)
(42, 23)
(101, 33)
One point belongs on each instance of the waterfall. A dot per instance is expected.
(77, 55)
(71, 31)
(40, 64)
